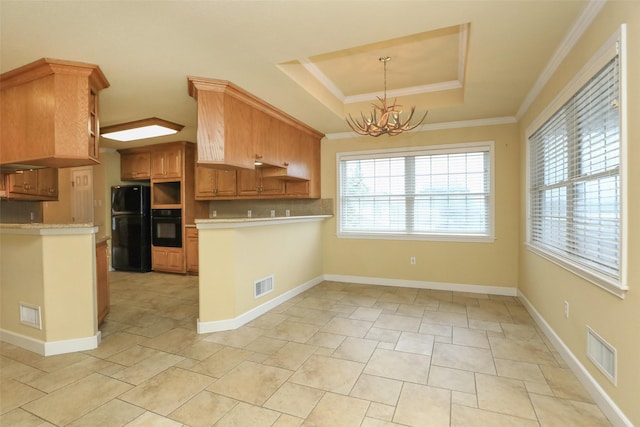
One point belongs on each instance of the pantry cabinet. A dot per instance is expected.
(62, 98)
(135, 165)
(166, 161)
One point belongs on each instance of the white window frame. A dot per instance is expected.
(616, 45)
(422, 150)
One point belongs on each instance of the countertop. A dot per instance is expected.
(210, 223)
(37, 228)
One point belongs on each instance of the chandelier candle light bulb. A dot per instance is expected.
(390, 122)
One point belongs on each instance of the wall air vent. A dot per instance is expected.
(30, 315)
(263, 286)
(602, 354)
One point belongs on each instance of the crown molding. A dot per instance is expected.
(589, 13)
(493, 121)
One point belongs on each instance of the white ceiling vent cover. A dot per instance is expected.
(263, 286)
(30, 315)
(602, 354)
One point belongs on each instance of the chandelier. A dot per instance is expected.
(389, 121)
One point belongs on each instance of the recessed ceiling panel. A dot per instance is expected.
(424, 63)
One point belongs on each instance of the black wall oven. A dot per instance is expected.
(166, 227)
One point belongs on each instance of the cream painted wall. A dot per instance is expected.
(54, 272)
(544, 284)
(489, 264)
(21, 278)
(232, 259)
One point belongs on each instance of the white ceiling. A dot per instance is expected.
(147, 49)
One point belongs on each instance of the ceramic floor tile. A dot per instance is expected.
(337, 410)
(463, 357)
(293, 331)
(523, 351)
(504, 395)
(167, 391)
(291, 356)
(356, 349)
(113, 413)
(204, 409)
(470, 337)
(328, 374)
(339, 354)
(222, 362)
(420, 405)
(348, 327)
(562, 412)
(14, 394)
(399, 365)
(155, 420)
(411, 342)
(22, 418)
(565, 384)
(464, 416)
(75, 400)
(251, 382)
(377, 389)
(147, 368)
(245, 415)
(398, 323)
(294, 399)
(452, 379)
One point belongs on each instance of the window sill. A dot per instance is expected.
(608, 284)
(426, 237)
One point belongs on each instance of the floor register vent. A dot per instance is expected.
(30, 315)
(263, 286)
(602, 354)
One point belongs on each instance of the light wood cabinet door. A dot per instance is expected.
(166, 162)
(48, 183)
(192, 250)
(102, 280)
(49, 114)
(251, 183)
(167, 259)
(213, 183)
(135, 166)
(24, 182)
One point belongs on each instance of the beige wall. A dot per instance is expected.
(544, 284)
(54, 272)
(232, 259)
(489, 264)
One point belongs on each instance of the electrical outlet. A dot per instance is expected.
(213, 214)
(412, 260)
(287, 212)
(565, 309)
(249, 214)
(273, 213)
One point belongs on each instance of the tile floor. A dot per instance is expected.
(337, 355)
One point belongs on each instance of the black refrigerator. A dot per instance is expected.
(130, 228)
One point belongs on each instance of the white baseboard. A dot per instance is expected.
(50, 348)
(601, 398)
(441, 286)
(254, 313)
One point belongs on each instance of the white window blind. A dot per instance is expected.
(574, 178)
(424, 193)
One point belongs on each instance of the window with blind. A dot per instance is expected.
(440, 193)
(575, 189)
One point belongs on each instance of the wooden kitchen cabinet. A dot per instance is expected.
(102, 280)
(166, 162)
(49, 114)
(35, 184)
(167, 259)
(251, 183)
(214, 183)
(192, 250)
(135, 165)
